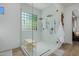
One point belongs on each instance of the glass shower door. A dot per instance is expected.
(45, 36)
(26, 29)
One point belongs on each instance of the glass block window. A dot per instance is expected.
(29, 21)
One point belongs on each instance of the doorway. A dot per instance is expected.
(75, 25)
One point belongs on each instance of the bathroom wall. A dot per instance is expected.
(36, 33)
(6, 53)
(51, 10)
(68, 22)
(77, 23)
(10, 27)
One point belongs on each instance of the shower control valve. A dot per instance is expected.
(52, 29)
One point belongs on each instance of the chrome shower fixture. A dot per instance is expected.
(49, 15)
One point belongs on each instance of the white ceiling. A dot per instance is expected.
(40, 6)
(68, 4)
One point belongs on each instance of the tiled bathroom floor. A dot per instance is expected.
(69, 50)
(17, 52)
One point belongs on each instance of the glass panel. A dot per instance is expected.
(29, 25)
(26, 30)
(45, 36)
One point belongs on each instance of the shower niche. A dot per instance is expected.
(39, 27)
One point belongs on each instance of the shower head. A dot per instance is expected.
(49, 15)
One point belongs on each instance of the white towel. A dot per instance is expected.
(60, 33)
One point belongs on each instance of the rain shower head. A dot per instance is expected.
(49, 15)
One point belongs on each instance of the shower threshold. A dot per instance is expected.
(42, 49)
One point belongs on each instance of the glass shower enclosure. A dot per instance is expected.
(39, 29)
